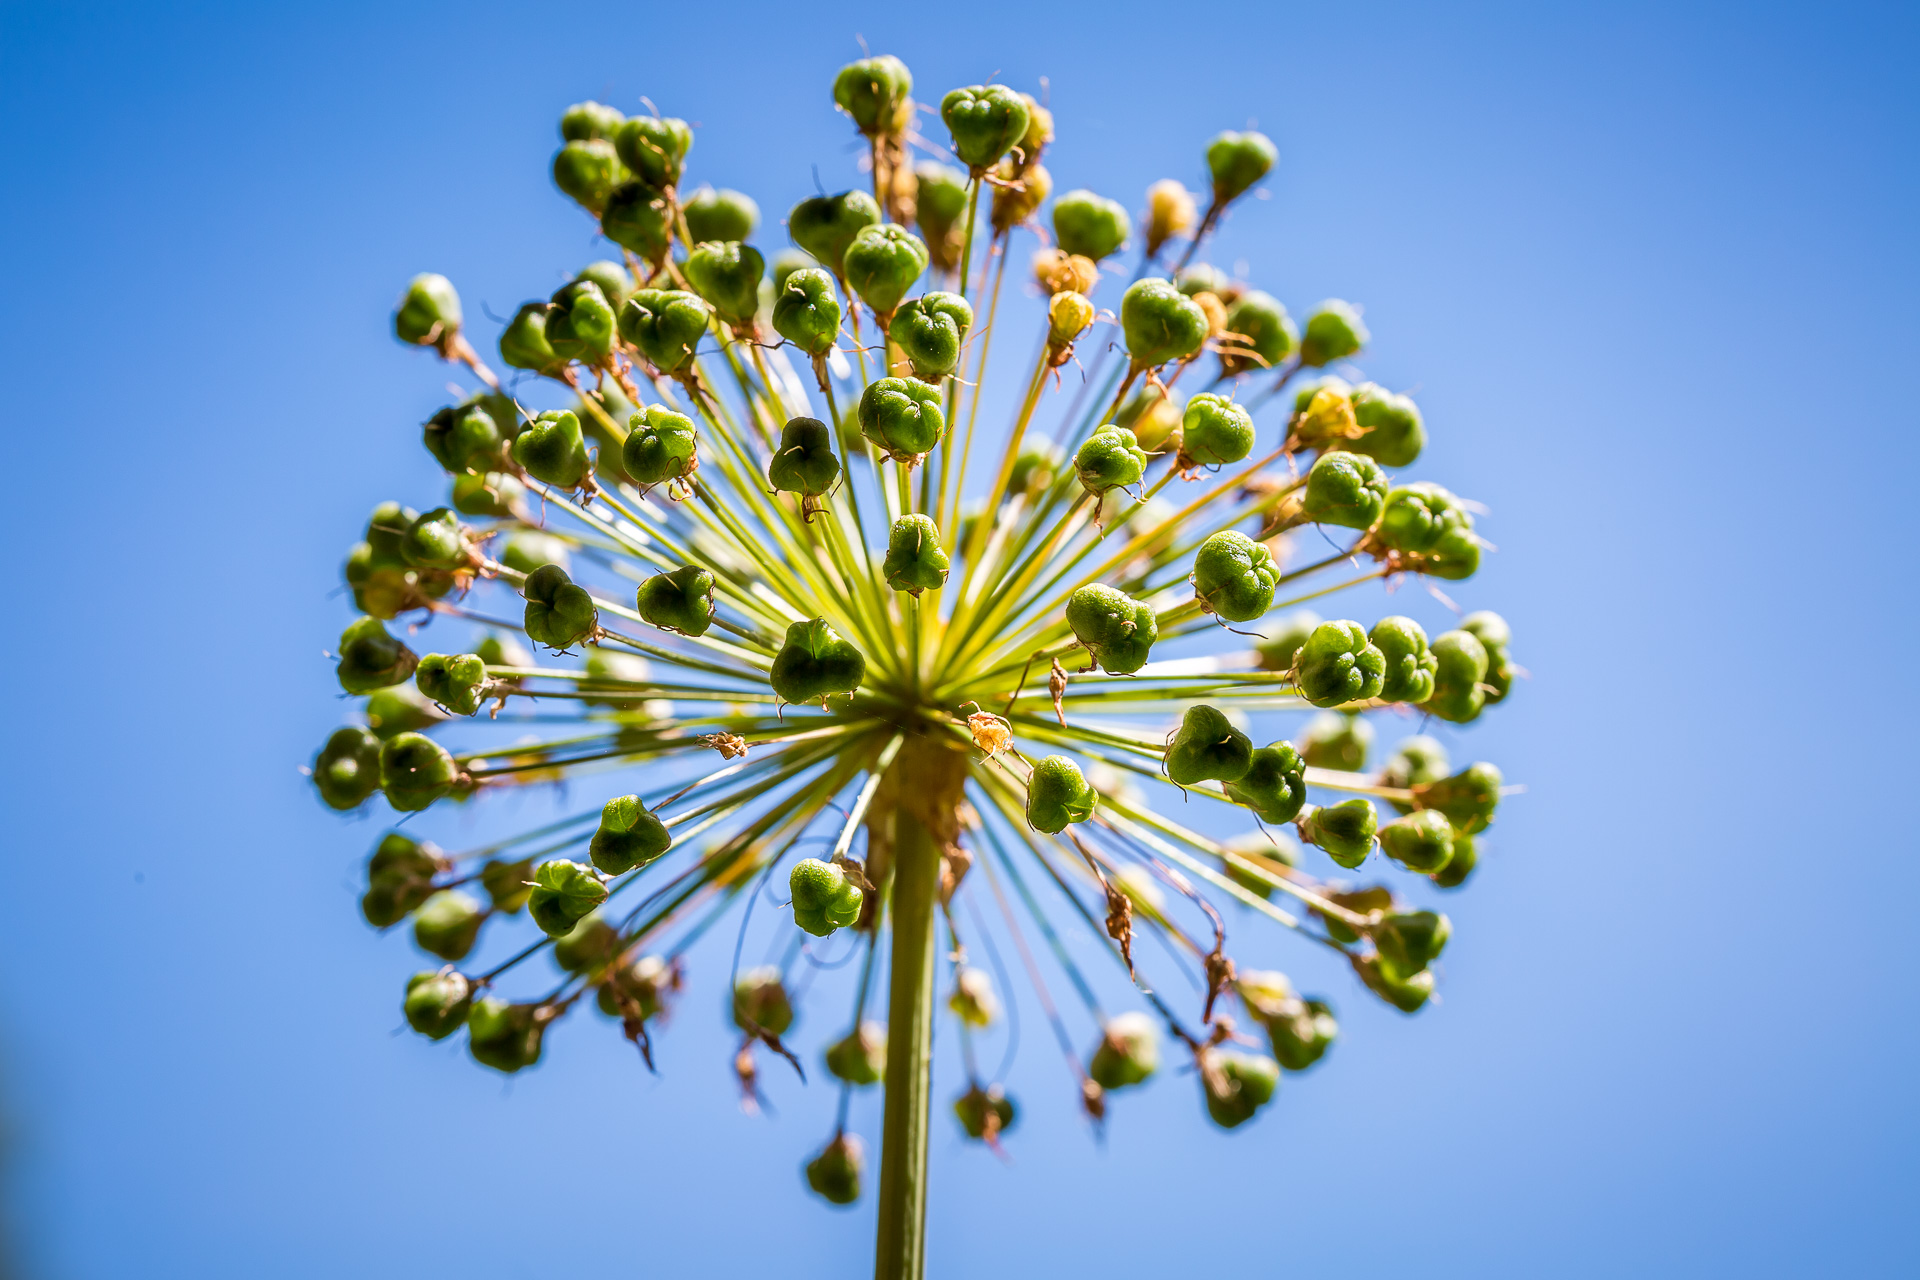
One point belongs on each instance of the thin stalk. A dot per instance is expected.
(900, 1244)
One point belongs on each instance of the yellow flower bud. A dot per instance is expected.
(1068, 316)
(1059, 272)
(1018, 193)
(1216, 312)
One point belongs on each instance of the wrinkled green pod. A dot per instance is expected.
(1345, 489)
(881, 264)
(720, 215)
(727, 274)
(562, 895)
(1274, 785)
(1117, 630)
(804, 463)
(1345, 830)
(559, 613)
(1160, 323)
(506, 1037)
(915, 560)
(553, 451)
(372, 659)
(1207, 747)
(986, 122)
(1421, 841)
(1090, 225)
(872, 91)
(347, 769)
(1234, 577)
(1236, 1085)
(415, 771)
(902, 417)
(824, 899)
(436, 1004)
(1128, 1053)
(806, 312)
(1338, 664)
(1214, 431)
(1237, 161)
(1110, 459)
(654, 147)
(1334, 331)
(448, 923)
(1058, 794)
(1460, 667)
(678, 600)
(1410, 666)
(815, 662)
(456, 681)
(630, 835)
(930, 330)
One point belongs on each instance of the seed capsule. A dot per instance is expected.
(805, 311)
(881, 264)
(660, 446)
(720, 215)
(986, 122)
(586, 171)
(400, 876)
(1089, 225)
(1111, 458)
(1170, 212)
(1410, 666)
(630, 835)
(727, 274)
(1460, 667)
(1128, 1053)
(585, 120)
(930, 330)
(347, 770)
(588, 947)
(972, 999)
(638, 217)
(1237, 1085)
(1345, 489)
(666, 325)
(506, 1037)
(824, 899)
(679, 600)
(871, 90)
(372, 659)
(654, 148)
(415, 771)
(1234, 577)
(1274, 786)
(1117, 630)
(1468, 798)
(506, 883)
(1410, 941)
(915, 559)
(1421, 841)
(553, 451)
(559, 614)
(1058, 794)
(902, 417)
(815, 662)
(804, 463)
(1237, 161)
(1207, 746)
(834, 1174)
(437, 1003)
(760, 1001)
(455, 681)
(1344, 830)
(1333, 740)
(447, 924)
(985, 1114)
(429, 312)
(1266, 333)
(861, 1057)
(562, 895)
(1338, 664)
(1408, 997)
(1160, 323)
(1414, 761)
(523, 343)
(1334, 332)
(1460, 865)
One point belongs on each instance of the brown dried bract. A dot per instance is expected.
(729, 745)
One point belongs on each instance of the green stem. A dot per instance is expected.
(901, 1243)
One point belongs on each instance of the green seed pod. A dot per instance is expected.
(630, 835)
(720, 215)
(1202, 277)
(495, 494)
(986, 122)
(1128, 1053)
(902, 417)
(1207, 746)
(1116, 629)
(1160, 323)
(1338, 664)
(834, 1174)
(972, 999)
(435, 540)
(1465, 857)
(814, 662)
(1410, 941)
(585, 120)
(655, 148)
(506, 883)
(679, 600)
(915, 560)
(581, 325)
(660, 446)
(1410, 666)
(559, 614)
(1237, 1085)
(1494, 635)
(1455, 555)
(860, 1058)
(1111, 458)
(1460, 667)
(553, 451)
(415, 771)
(371, 659)
(826, 225)
(387, 531)
(1421, 841)
(1300, 1030)
(506, 1037)
(523, 343)
(981, 1111)
(823, 898)
(804, 463)
(588, 947)
(727, 274)
(806, 312)
(1237, 161)
(1268, 332)
(1408, 997)
(586, 171)
(639, 217)
(1089, 225)
(1344, 830)
(1335, 741)
(347, 770)
(929, 330)
(788, 261)
(1416, 516)
(464, 438)
(1214, 431)
(1334, 332)
(400, 876)
(1234, 577)
(1058, 794)
(1395, 434)
(429, 312)
(437, 1003)
(562, 895)
(1277, 652)
(1468, 798)
(638, 989)
(1415, 761)
(1365, 901)
(1345, 489)
(872, 90)
(881, 264)
(666, 325)
(455, 681)
(448, 923)
(760, 1001)
(1274, 785)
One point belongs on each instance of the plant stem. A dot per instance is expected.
(900, 1245)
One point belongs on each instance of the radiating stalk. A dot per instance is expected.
(900, 1246)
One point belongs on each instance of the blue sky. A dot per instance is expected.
(1651, 273)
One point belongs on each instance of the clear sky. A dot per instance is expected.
(1650, 271)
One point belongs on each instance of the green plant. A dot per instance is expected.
(930, 683)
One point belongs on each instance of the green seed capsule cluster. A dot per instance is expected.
(738, 572)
